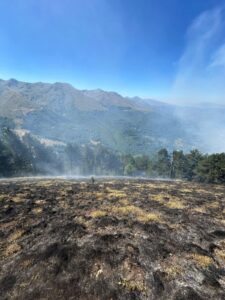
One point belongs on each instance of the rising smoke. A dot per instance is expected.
(199, 81)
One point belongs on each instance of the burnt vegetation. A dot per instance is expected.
(115, 239)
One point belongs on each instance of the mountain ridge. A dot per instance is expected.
(58, 111)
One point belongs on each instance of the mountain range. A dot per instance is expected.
(59, 114)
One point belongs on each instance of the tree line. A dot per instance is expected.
(192, 166)
(28, 156)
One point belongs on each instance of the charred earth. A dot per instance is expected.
(111, 239)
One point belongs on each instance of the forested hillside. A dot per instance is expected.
(55, 129)
(28, 156)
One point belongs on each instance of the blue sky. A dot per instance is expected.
(172, 50)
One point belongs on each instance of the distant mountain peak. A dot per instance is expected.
(58, 111)
(12, 82)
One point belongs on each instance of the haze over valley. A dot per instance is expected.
(57, 114)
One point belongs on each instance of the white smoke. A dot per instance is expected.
(200, 79)
(201, 67)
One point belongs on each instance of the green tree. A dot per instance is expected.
(179, 165)
(129, 170)
(141, 162)
(192, 159)
(211, 169)
(162, 163)
(129, 164)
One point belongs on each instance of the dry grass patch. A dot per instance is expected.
(200, 209)
(81, 220)
(37, 210)
(45, 183)
(175, 226)
(172, 266)
(213, 205)
(15, 235)
(124, 202)
(115, 193)
(98, 213)
(151, 185)
(8, 224)
(63, 193)
(133, 278)
(222, 221)
(132, 211)
(26, 263)
(173, 270)
(168, 200)
(136, 212)
(186, 190)
(201, 260)
(100, 196)
(64, 204)
(19, 198)
(161, 198)
(40, 202)
(132, 285)
(143, 186)
(175, 204)
(202, 191)
(2, 197)
(149, 217)
(219, 194)
(204, 208)
(12, 249)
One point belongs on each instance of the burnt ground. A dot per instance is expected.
(118, 239)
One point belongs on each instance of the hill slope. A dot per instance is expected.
(111, 240)
(62, 113)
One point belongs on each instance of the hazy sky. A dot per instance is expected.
(173, 50)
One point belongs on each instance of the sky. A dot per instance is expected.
(170, 50)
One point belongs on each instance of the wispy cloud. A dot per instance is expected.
(201, 67)
(218, 59)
